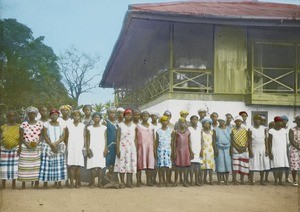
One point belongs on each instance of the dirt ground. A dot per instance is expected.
(206, 198)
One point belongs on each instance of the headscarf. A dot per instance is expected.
(284, 118)
(277, 119)
(54, 111)
(111, 109)
(167, 113)
(243, 112)
(238, 118)
(65, 107)
(128, 110)
(164, 118)
(32, 109)
(206, 119)
(184, 112)
(120, 109)
(257, 117)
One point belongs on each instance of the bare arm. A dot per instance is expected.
(214, 143)
(190, 147)
(105, 143)
(270, 146)
(118, 141)
(156, 144)
(250, 143)
(266, 143)
(292, 141)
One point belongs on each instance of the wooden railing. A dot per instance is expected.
(196, 80)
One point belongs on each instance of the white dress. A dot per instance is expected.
(259, 162)
(279, 148)
(195, 138)
(97, 145)
(75, 144)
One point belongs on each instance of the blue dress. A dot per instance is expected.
(223, 140)
(111, 143)
(164, 148)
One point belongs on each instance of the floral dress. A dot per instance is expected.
(294, 153)
(208, 151)
(164, 148)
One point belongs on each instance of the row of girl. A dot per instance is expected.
(55, 149)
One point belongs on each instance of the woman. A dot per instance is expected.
(54, 135)
(9, 134)
(30, 137)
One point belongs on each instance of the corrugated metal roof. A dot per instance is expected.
(238, 9)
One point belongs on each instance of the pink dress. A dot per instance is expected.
(145, 150)
(294, 153)
(182, 149)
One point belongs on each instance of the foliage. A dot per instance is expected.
(29, 73)
(77, 71)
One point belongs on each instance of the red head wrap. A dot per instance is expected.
(243, 112)
(128, 110)
(54, 110)
(277, 119)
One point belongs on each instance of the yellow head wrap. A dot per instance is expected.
(184, 112)
(164, 118)
(65, 107)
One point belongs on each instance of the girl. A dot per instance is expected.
(163, 146)
(294, 135)
(239, 150)
(258, 150)
(136, 116)
(9, 136)
(96, 143)
(120, 115)
(145, 149)
(54, 135)
(76, 143)
(207, 154)
(87, 118)
(196, 140)
(278, 150)
(222, 153)
(30, 137)
(182, 152)
(126, 160)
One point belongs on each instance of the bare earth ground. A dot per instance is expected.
(206, 198)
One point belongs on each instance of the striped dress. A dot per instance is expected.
(56, 167)
(240, 161)
(9, 152)
(29, 160)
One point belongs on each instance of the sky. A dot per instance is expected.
(91, 26)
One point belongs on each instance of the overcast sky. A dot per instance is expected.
(91, 26)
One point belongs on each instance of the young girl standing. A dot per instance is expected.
(163, 146)
(258, 150)
(239, 150)
(196, 140)
(222, 153)
(96, 143)
(294, 135)
(126, 160)
(208, 143)
(182, 152)
(75, 142)
(145, 149)
(278, 142)
(9, 158)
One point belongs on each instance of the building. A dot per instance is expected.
(225, 56)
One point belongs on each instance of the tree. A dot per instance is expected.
(29, 73)
(77, 71)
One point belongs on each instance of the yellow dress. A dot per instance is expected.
(208, 151)
(10, 136)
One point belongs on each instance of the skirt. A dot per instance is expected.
(9, 164)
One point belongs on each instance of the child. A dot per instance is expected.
(136, 116)
(182, 153)
(222, 151)
(208, 143)
(126, 160)
(9, 158)
(294, 135)
(96, 143)
(196, 140)
(239, 150)
(278, 150)
(163, 146)
(75, 143)
(258, 150)
(145, 149)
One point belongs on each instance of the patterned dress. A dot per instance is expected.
(56, 168)
(294, 153)
(9, 152)
(127, 162)
(182, 149)
(29, 160)
(111, 143)
(259, 161)
(164, 148)
(145, 147)
(208, 151)
(240, 161)
(223, 143)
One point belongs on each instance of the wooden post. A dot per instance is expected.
(171, 59)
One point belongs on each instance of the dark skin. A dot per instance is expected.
(257, 124)
(31, 121)
(163, 172)
(239, 149)
(129, 182)
(149, 172)
(44, 114)
(53, 144)
(11, 121)
(180, 170)
(294, 144)
(96, 171)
